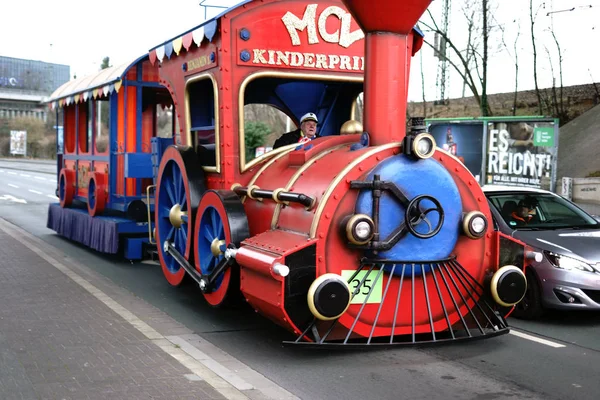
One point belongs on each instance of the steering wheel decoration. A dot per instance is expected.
(415, 215)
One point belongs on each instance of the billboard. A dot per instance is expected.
(521, 153)
(18, 143)
(516, 151)
(465, 141)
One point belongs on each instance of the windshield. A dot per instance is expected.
(540, 211)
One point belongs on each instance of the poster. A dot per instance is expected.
(18, 143)
(521, 153)
(462, 140)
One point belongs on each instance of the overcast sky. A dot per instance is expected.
(80, 33)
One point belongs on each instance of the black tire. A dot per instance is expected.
(531, 306)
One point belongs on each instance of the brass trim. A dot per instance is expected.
(188, 121)
(350, 232)
(235, 186)
(272, 74)
(310, 297)
(175, 216)
(466, 222)
(276, 199)
(249, 192)
(215, 247)
(415, 147)
(150, 233)
(342, 175)
(494, 284)
(297, 175)
(353, 109)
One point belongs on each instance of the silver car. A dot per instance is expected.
(567, 275)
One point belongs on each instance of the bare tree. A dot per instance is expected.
(423, 85)
(515, 57)
(475, 57)
(532, 18)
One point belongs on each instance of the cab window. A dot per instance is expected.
(272, 100)
(202, 119)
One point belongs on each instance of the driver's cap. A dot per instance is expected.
(309, 117)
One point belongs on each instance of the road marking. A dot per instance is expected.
(35, 191)
(13, 198)
(51, 196)
(226, 381)
(11, 185)
(12, 173)
(40, 178)
(25, 175)
(1, 170)
(536, 339)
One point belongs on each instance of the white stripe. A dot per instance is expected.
(11, 185)
(40, 178)
(35, 191)
(52, 196)
(1, 170)
(25, 175)
(536, 339)
(12, 173)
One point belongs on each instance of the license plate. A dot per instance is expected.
(369, 284)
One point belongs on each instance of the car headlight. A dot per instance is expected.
(567, 263)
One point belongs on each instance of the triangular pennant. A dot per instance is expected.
(152, 56)
(85, 96)
(111, 88)
(177, 45)
(53, 105)
(168, 49)
(188, 38)
(118, 86)
(210, 30)
(160, 53)
(95, 92)
(198, 36)
(76, 98)
(106, 90)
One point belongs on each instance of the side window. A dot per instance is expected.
(102, 124)
(263, 125)
(202, 124)
(358, 108)
(166, 121)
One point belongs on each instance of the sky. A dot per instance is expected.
(81, 33)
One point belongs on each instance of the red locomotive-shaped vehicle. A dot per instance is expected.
(371, 238)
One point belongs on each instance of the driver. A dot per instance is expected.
(524, 213)
(306, 132)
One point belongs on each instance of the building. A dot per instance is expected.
(25, 84)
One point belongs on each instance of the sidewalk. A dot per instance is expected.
(62, 337)
(41, 166)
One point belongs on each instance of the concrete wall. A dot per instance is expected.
(585, 192)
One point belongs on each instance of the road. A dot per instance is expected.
(557, 357)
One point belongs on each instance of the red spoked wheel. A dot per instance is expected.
(97, 193)
(66, 187)
(221, 220)
(178, 191)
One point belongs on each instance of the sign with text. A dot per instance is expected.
(521, 154)
(18, 143)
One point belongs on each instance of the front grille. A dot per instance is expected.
(593, 294)
(451, 288)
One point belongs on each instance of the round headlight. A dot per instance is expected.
(423, 145)
(475, 224)
(359, 229)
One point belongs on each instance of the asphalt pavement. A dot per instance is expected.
(555, 358)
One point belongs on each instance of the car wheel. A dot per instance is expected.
(531, 306)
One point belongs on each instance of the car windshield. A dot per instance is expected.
(540, 211)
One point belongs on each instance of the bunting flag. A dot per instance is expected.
(160, 53)
(177, 45)
(198, 35)
(76, 98)
(188, 39)
(118, 86)
(95, 92)
(106, 90)
(210, 30)
(85, 96)
(168, 49)
(152, 56)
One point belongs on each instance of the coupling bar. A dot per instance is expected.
(207, 281)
